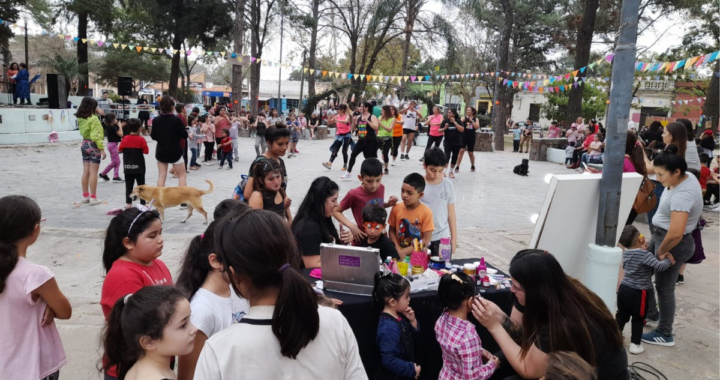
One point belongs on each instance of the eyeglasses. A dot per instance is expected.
(374, 225)
(42, 222)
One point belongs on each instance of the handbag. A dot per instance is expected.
(645, 200)
(699, 254)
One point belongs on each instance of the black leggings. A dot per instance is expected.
(209, 146)
(396, 145)
(366, 146)
(336, 147)
(453, 151)
(131, 178)
(712, 189)
(385, 146)
(631, 303)
(433, 140)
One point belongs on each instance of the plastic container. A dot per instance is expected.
(482, 268)
(445, 250)
(436, 263)
(469, 269)
(418, 269)
(403, 268)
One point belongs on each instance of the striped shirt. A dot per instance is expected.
(639, 265)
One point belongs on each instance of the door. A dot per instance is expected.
(534, 112)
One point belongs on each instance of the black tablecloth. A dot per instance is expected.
(363, 319)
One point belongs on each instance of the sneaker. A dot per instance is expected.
(327, 165)
(95, 202)
(636, 348)
(472, 169)
(656, 337)
(457, 169)
(393, 162)
(220, 167)
(387, 171)
(208, 163)
(104, 177)
(680, 279)
(118, 180)
(402, 157)
(652, 321)
(407, 156)
(85, 200)
(345, 176)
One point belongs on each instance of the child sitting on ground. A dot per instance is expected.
(411, 219)
(569, 151)
(397, 328)
(374, 224)
(638, 266)
(461, 347)
(267, 190)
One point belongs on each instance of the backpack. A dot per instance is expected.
(645, 200)
(239, 191)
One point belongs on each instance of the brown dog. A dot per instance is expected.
(166, 197)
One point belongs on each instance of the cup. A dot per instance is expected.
(418, 269)
(402, 268)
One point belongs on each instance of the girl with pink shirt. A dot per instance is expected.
(30, 299)
(436, 136)
(343, 137)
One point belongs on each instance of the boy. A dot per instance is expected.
(439, 196)
(516, 137)
(370, 192)
(569, 151)
(294, 127)
(226, 146)
(234, 128)
(410, 219)
(277, 140)
(114, 133)
(374, 218)
(132, 147)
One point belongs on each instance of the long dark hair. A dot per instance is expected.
(566, 308)
(16, 66)
(688, 128)
(119, 229)
(195, 265)
(146, 313)
(454, 289)
(258, 246)
(18, 217)
(87, 108)
(312, 208)
(387, 112)
(455, 117)
(387, 286)
(671, 160)
(636, 153)
(679, 137)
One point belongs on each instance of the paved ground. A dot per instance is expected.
(493, 206)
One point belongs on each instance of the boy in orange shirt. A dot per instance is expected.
(411, 219)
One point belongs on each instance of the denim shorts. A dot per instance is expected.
(90, 152)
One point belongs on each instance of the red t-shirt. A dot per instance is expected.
(127, 277)
(704, 175)
(226, 148)
(356, 199)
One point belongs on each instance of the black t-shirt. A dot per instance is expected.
(283, 171)
(260, 128)
(469, 127)
(384, 244)
(309, 235)
(111, 133)
(313, 121)
(363, 124)
(611, 361)
(453, 137)
(168, 130)
(655, 135)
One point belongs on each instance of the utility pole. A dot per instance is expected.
(302, 79)
(617, 121)
(27, 60)
(282, 29)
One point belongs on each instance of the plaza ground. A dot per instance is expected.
(494, 207)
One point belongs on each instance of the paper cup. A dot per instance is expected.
(403, 268)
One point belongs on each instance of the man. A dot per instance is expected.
(104, 104)
(527, 135)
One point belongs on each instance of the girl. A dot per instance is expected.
(343, 136)
(435, 134)
(303, 124)
(22, 85)
(12, 71)
(285, 333)
(169, 131)
(385, 133)
(146, 330)
(30, 299)
(92, 148)
(397, 133)
(215, 306)
(453, 129)
(462, 351)
(472, 124)
(267, 193)
(208, 132)
(133, 243)
(114, 133)
(397, 328)
(294, 126)
(195, 141)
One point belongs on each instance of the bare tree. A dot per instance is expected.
(260, 16)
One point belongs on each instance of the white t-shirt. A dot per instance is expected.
(251, 351)
(438, 198)
(691, 156)
(685, 197)
(211, 313)
(410, 120)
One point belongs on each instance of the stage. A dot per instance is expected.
(33, 125)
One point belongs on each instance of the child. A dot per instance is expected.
(397, 327)
(133, 147)
(92, 148)
(234, 127)
(214, 304)
(569, 151)
(374, 224)
(114, 133)
(30, 298)
(516, 137)
(225, 206)
(146, 330)
(370, 192)
(294, 127)
(638, 266)
(439, 196)
(133, 243)
(461, 347)
(564, 365)
(208, 131)
(411, 219)
(195, 140)
(267, 191)
(226, 146)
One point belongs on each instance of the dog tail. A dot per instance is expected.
(212, 187)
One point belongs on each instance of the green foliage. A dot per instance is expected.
(593, 104)
(67, 66)
(140, 66)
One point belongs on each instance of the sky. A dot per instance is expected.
(669, 34)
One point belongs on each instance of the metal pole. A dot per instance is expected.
(302, 79)
(27, 60)
(618, 115)
(497, 68)
(282, 27)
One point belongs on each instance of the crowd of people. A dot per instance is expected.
(240, 306)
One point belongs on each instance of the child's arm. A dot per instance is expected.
(468, 351)
(288, 215)
(256, 200)
(402, 252)
(119, 131)
(427, 238)
(392, 201)
(355, 229)
(658, 265)
(387, 340)
(56, 301)
(452, 221)
(145, 147)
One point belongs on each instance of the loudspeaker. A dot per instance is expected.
(57, 97)
(125, 86)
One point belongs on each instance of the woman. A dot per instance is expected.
(552, 312)
(472, 125)
(222, 121)
(397, 134)
(677, 216)
(92, 148)
(273, 119)
(553, 130)
(675, 134)
(435, 135)
(691, 154)
(411, 116)
(12, 71)
(385, 133)
(208, 131)
(653, 135)
(453, 129)
(284, 334)
(634, 163)
(313, 124)
(22, 85)
(168, 130)
(343, 135)
(313, 223)
(579, 152)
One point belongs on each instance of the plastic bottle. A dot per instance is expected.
(445, 250)
(482, 268)
(486, 282)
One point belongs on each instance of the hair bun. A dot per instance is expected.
(673, 149)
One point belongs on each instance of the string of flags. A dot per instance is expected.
(688, 101)
(527, 81)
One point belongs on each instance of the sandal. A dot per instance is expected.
(472, 168)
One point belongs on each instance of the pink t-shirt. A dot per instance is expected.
(342, 124)
(357, 198)
(27, 350)
(434, 128)
(628, 166)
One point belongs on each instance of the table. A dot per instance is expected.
(363, 318)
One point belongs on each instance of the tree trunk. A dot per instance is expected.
(175, 65)
(82, 55)
(255, 51)
(5, 46)
(582, 57)
(238, 45)
(711, 110)
(313, 47)
(406, 53)
(504, 97)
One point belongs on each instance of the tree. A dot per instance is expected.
(8, 13)
(261, 13)
(593, 104)
(238, 47)
(143, 67)
(69, 67)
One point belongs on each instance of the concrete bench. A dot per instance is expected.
(556, 155)
(539, 147)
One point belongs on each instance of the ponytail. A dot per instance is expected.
(116, 348)
(19, 216)
(8, 260)
(295, 320)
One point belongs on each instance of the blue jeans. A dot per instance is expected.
(659, 189)
(226, 156)
(193, 158)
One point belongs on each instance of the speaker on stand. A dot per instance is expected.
(125, 86)
(57, 97)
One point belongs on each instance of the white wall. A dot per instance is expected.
(18, 126)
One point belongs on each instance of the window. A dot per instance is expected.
(292, 104)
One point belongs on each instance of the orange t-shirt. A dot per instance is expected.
(410, 224)
(398, 127)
